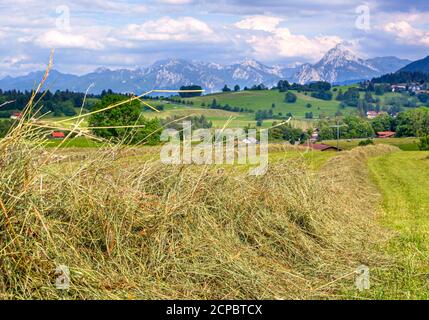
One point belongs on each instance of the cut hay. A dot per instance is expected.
(140, 229)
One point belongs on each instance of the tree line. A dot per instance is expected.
(410, 123)
(402, 77)
(59, 103)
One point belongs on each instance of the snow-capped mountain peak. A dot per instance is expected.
(248, 62)
(339, 54)
(341, 64)
(101, 70)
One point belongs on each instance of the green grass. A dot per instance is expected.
(79, 142)
(405, 144)
(403, 179)
(218, 117)
(263, 100)
(314, 159)
(253, 100)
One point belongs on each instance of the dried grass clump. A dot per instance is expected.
(139, 229)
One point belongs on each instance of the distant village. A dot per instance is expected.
(412, 88)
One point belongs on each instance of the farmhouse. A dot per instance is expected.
(250, 140)
(386, 134)
(415, 88)
(399, 87)
(323, 147)
(314, 135)
(372, 114)
(57, 135)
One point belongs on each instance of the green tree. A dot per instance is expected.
(283, 85)
(324, 95)
(366, 142)
(350, 97)
(320, 86)
(325, 131)
(383, 122)
(126, 114)
(290, 97)
(287, 132)
(190, 94)
(413, 123)
(424, 143)
(368, 97)
(356, 127)
(214, 104)
(379, 90)
(5, 126)
(423, 97)
(226, 89)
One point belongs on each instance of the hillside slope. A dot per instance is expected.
(418, 66)
(264, 100)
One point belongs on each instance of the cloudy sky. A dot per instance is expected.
(88, 34)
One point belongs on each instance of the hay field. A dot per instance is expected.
(130, 227)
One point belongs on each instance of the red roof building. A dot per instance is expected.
(16, 115)
(57, 135)
(386, 134)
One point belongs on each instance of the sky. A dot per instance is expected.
(88, 34)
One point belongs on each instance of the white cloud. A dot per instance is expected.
(412, 17)
(263, 23)
(176, 2)
(269, 41)
(109, 5)
(406, 33)
(57, 39)
(18, 65)
(282, 43)
(14, 60)
(168, 29)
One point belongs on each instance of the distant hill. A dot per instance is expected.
(387, 64)
(418, 66)
(402, 77)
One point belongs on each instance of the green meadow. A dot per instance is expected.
(264, 100)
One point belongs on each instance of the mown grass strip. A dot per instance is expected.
(403, 179)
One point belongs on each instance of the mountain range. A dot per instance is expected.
(339, 65)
